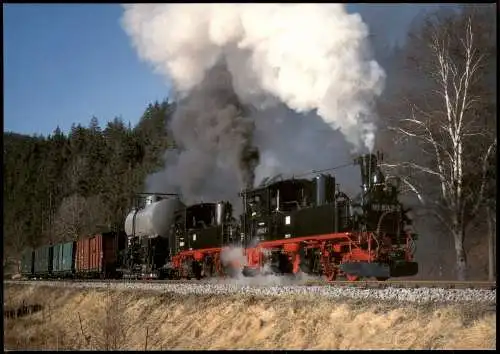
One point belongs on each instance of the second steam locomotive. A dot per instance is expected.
(287, 227)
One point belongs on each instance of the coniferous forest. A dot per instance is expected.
(62, 186)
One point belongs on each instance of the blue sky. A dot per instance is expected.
(65, 63)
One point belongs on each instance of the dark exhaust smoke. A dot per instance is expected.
(214, 139)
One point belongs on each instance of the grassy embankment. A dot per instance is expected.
(104, 319)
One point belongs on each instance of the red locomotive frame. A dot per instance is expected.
(335, 249)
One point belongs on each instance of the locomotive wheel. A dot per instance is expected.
(307, 262)
(219, 269)
(208, 268)
(249, 272)
(329, 271)
(332, 276)
(230, 271)
(304, 267)
(186, 270)
(197, 267)
(352, 277)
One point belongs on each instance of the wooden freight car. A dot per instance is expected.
(97, 255)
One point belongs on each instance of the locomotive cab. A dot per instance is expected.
(295, 208)
(203, 225)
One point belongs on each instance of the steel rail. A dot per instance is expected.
(415, 284)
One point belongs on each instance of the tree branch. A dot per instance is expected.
(483, 177)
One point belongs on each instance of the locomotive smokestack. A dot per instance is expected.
(220, 213)
(320, 189)
(368, 167)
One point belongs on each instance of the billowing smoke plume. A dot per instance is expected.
(215, 155)
(309, 61)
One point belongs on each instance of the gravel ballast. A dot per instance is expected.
(415, 295)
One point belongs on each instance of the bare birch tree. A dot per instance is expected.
(69, 220)
(454, 148)
(77, 215)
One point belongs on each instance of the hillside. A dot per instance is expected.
(64, 186)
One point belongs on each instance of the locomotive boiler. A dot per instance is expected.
(292, 208)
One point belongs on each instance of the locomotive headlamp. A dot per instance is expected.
(287, 220)
(378, 177)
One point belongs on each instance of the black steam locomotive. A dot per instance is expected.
(306, 224)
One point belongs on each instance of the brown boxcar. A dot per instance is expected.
(97, 255)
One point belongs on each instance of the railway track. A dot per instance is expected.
(277, 281)
(392, 290)
(421, 284)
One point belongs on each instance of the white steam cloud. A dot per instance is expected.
(308, 56)
(235, 256)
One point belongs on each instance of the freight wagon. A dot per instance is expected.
(98, 255)
(43, 261)
(63, 264)
(27, 263)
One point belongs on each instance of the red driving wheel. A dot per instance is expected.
(349, 277)
(352, 277)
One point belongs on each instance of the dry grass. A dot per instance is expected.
(97, 319)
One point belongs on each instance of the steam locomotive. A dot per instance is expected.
(288, 226)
